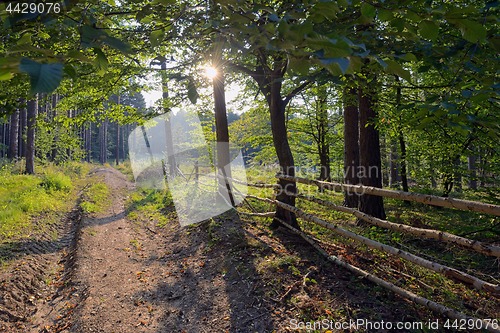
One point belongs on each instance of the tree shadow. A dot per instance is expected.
(209, 288)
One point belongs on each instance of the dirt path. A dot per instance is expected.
(115, 274)
(127, 277)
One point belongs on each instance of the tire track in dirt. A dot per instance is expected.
(26, 286)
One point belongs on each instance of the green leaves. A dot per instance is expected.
(368, 10)
(44, 78)
(395, 68)
(334, 64)
(157, 37)
(298, 65)
(334, 48)
(92, 36)
(471, 30)
(428, 29)
(101, 61)
(192, 91)
(117, 44)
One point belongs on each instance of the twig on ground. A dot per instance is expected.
(252, 319)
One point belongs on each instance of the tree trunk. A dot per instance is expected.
(369, 151)
(103, 141)
(168, 126)
(89, 142)
(481, 165)
(2, 141)
(117, 152)
(404, 178)
(54, 117)
(124, 133)
(68, 150)
(280, 139)
(394, 165)
(221, 129)
(383, 160)
(270, 82)
(30, 140)
(472, 171)
(458, 176)
(351, 144)
(14, 135)
(22, 129)
(323, 147)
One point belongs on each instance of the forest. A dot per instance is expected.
(368, 130)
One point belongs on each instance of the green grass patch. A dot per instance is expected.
(126, 169)
(95, 198)
(24, 196)
(151, 205)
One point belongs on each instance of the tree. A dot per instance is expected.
(351, 143)
(14, 134)
(369, 148)
(30, 141)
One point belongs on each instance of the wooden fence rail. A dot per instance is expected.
(436, 307)
(408, 196)
(478, 246)
(452, 273)
(445, 270)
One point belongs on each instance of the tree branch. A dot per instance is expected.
(296, 91)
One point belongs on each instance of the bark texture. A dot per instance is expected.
(369, 150)
(30, 140)
(14, 135)
(351, 144)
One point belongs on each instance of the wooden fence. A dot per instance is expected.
(454, 274)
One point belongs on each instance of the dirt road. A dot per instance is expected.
(109, 273)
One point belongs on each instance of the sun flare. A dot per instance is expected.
(210, 72)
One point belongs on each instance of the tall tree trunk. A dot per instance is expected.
(221, 129)
(394, 165)
(404, 177)
(323, 146)
(402, 145)
(351, 144)
(270, 82)
(481, 165)
(30, 140)
(458, 176)
(168, 125)
(22, 129)
(123, 142)
(89, 142)
(472, 170)
(103, 141)
(277, 108)
(369, 150)
(118, 139)
(2, 129)
(14, 135)
(68, 150)
(55, 98)
(383, 160)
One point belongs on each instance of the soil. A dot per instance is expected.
(107, 273)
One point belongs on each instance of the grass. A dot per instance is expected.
(126, 169)
(152, 206)
(95, 198)
(22, 197)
